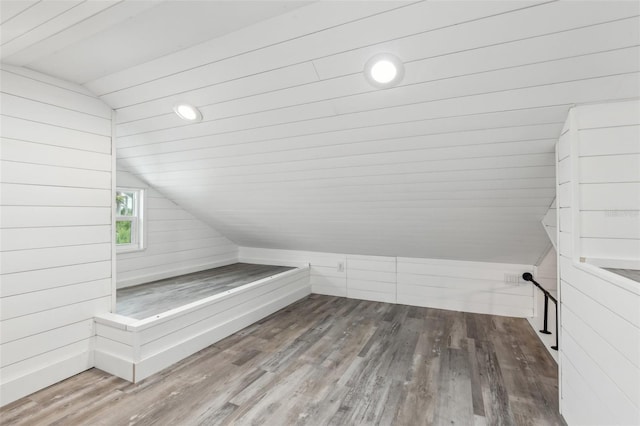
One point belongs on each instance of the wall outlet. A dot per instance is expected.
(340, 267)
(512, 279)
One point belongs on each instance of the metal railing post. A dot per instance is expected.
(556, 345)
(528, 277)
(545, 329)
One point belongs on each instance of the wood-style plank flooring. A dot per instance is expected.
(329, 361)
(143, 301)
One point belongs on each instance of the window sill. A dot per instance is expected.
(131, 249)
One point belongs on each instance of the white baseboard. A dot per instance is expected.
(115, 365)
(25, 385)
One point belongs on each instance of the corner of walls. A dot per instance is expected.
(599, 311)
(477, 287)
(177, 243)
(550, 224)
(57, 166)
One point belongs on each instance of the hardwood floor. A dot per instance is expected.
(329, 361)
(143, 301)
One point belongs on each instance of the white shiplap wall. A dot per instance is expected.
(55, 228)
(297, 151)
(478, 287)
(609, 184)
(600, 311)
(443, 284)
(176, 242)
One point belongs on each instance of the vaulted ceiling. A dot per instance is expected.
(296, 150)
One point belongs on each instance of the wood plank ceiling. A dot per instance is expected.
(298, 151)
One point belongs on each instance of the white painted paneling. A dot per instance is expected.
(17, 84)
(40, 322)
(465, 286)
(51, 26)
(26, 152)
(619, 168)
(371, 278)
(26, 130)
(30, 18)
(42, 279)
(469, 131)
(608, 115)
(600, 311)
(526, 28)
(550, 223)
(34, 174)
(40, 216)
(156, 339)
(176, 242)
(23, 349)
(36, 238)
(36, 195)
(443, 284)
(56, 225)
(54, 115)
(10, 9)
(609, 182)
(610, 224)
(610, 196)
(45, 258)
(564, 170)
(136, 349)
(60, 364)
(602, 249)
(622, 139)
(325, 276)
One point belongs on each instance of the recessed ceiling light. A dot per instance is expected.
(384, 70)
(187, 112)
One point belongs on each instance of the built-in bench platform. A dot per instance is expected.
(169, 320)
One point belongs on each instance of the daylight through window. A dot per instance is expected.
(129, 219)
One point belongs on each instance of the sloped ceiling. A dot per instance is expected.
(297, 151)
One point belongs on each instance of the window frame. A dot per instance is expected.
(137, 220)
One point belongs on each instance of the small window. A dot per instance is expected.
(129, 219)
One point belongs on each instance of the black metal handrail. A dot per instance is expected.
(528, 277)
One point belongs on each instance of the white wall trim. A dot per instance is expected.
(135, 349)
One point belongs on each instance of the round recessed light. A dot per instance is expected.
(187, 112)
(384, 70)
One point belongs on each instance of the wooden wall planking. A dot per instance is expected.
(456, 285)
(135, 349)
(176, 242)
(56, 229)
(290, 122)
(550, 223)
(608, 163)
(478, 287)
(600, 311)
